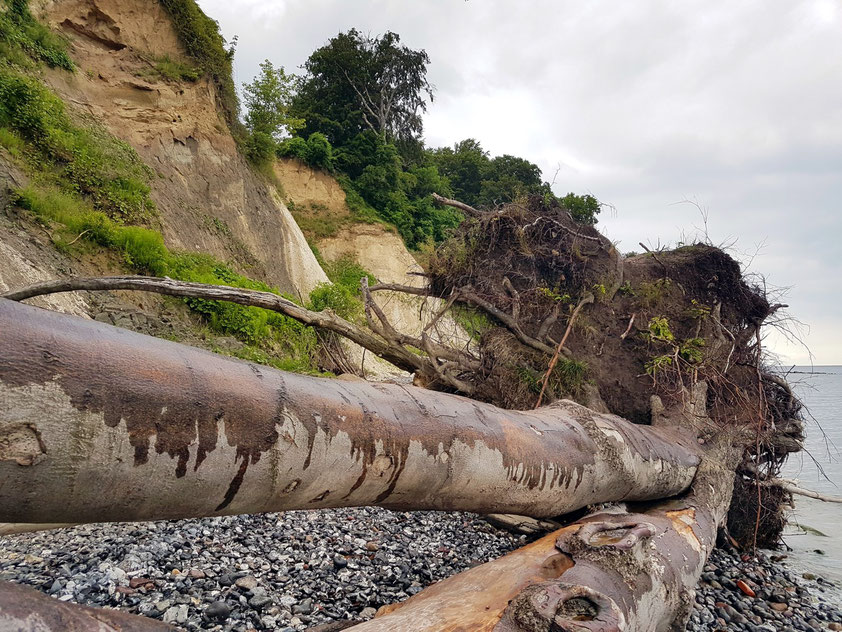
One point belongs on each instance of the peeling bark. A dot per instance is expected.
(27, 610)
(137, 428)
(623, 570)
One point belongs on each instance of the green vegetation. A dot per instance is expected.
(361, 99)
(82, 159)
(357, 82)
(650, 295)
(582, 208)
(24, 40)
(273, 338)
(690, 352)
(267, 100)
(316, 151)
(169, 69)
(343, 294)
(474, 322)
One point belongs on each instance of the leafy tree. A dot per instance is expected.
(465, 165)
(268, 120)
(508, 178)
(582, 208)
(358, 82)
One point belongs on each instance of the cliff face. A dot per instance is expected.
(208, 198)
(318, 198)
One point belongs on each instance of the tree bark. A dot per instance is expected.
(101, 424)
(622, 570)
(27, 610)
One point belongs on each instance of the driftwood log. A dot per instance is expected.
(100, 424)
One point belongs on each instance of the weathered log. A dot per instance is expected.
(623, 570)
(102, 424)
(27, 610)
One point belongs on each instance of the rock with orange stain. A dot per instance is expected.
(745, 588)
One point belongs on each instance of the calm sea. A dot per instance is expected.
(817, 543)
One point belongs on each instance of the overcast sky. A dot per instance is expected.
(735, 105)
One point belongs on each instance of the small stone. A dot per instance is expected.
(777, 606)
(162, 605)
(218, 610)
(305, 607)
(248, 582)
(339, 561)
(137, 582)
(258, 602)
(195, 573)
(372, 546)
(809, 576)
(834, 626)
(745, 588)
(368, 613)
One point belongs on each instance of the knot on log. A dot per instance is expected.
(559, 607)
(622, 535)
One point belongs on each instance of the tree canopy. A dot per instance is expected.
(357, 82)
(267, 101)
(357, 111)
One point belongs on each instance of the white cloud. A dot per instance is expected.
(738, 105)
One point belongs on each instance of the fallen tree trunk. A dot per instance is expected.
(27, 610)
(623, 570)
(101, 424)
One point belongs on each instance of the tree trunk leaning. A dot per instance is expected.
(102, 424)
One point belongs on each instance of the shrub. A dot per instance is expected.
(260, 148)
(295, 147)
(319, 152)
(347, 273)
(337, 298)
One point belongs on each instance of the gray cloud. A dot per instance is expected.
(737, 105)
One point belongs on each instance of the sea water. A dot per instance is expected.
(815, 529)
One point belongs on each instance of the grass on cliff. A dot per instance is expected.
(78, 158)
(271, 338)
(24, 41)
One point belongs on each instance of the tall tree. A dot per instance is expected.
(357, 82)
(267, 100)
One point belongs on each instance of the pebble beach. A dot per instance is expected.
(298, 570)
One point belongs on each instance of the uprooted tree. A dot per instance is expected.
(677, 414)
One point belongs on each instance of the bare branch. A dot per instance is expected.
(470, 210)
(402, 358)
(513, 326)
(793, 488)
(587, 299)
(628, 329)
(395, 287)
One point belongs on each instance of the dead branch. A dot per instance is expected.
(397, 355)
(470, 296)
(567, 230)
(655, 257)
(396, 287)
(548, 322)
(793, 488)
(587, 299)
(470, 210)
(628, 329)
(181, 432)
